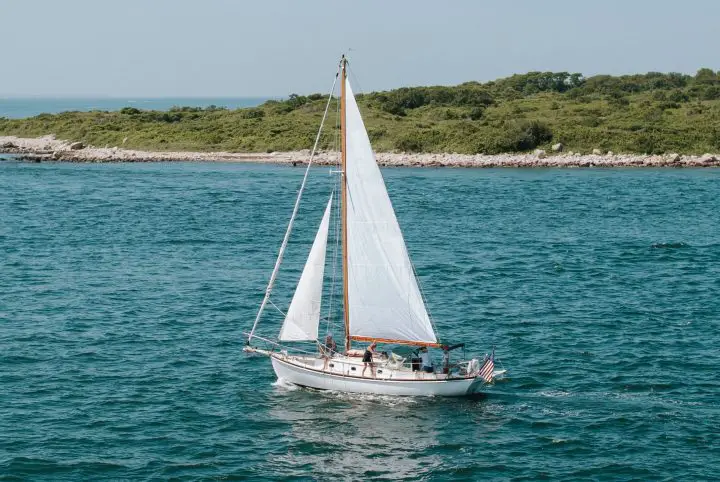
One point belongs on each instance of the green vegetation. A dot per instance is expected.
(649, 113)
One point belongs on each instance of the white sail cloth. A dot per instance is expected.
(384, 299)
(303, 316)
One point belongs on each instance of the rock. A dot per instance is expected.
(9, 145)
(541, 154)
(674, 157)
(610, 153)
(557, 147)
(597, 152)
(76, 146)
(571, 153)
(707, 159)
(35, 157)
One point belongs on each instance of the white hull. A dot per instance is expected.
(298, 370)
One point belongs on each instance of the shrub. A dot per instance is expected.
(711, 92)
(176, 108)
(129, 111)
(450, 115)
(618, 100)
(411, 142)
(376, 134)
(590, 121)
(678, 95)
(252, 113)
(523, 136)
(648, 144)
(477, 113)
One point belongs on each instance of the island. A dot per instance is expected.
(538, 119)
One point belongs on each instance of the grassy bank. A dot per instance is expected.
(650, 113)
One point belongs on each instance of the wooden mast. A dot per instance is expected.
(343, 221)
(343, 200)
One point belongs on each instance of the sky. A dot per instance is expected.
(236, 48)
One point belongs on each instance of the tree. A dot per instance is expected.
(129, 111)
(295, 101)
(705, 76)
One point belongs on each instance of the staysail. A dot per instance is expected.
(385, 302)
(303, 316)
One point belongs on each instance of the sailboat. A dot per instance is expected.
(381, 296)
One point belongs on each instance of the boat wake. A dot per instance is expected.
(284, 385)
(386, 400)
(499, 375)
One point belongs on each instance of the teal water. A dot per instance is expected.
(124, 290)
(19, 107)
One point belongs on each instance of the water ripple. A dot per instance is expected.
(125, 289)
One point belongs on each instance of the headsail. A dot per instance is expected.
(384, 298)
(303, 316)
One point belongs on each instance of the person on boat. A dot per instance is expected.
(427, 365)
(330, 346)
(368, 359)
(328, 349)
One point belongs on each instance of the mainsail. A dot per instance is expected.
(303, 316)
(384, 298)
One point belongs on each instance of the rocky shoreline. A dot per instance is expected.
(48, 148)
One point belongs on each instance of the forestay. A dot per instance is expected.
(303, 316)
(384, 299)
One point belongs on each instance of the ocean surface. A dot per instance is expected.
(125, 289)
(19, 107)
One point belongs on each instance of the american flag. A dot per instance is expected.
(486, 370)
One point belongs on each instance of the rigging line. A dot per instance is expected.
(425, 300)
(279, 345)
(355, 80)
(332, 287)
(281, 253)
(276, 307)
(335, 141)
(329, 323)
(336, 251)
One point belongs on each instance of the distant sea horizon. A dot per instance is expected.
(21, 107)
